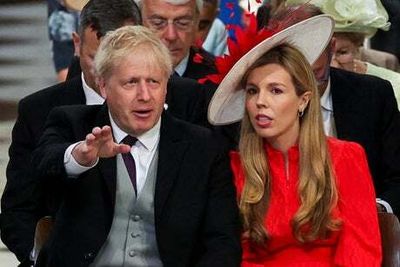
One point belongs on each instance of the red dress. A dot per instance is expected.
(358, 241)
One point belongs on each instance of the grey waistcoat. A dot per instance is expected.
(132, 238)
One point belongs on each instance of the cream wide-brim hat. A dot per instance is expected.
(310, 36)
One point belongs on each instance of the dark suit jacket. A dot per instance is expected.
(196, 70)
(22, 202)
(18, 204)
(196, 216)
(365, 111)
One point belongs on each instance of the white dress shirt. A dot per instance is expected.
(327, 112)
(143, 150)
(181, 67)
(92, 97)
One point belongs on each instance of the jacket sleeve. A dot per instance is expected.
(20, 197)
(389, 169)
(359, 243)
(48, 157)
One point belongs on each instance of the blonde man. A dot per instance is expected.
(137, 203)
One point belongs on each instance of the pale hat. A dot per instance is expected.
(310, 36)
(362, 16)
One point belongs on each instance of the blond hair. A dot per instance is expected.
(117, 44)
(317, 189)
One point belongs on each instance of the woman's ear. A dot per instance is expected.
(305, 98)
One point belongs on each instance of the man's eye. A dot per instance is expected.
(132, 81)
(158, 22)
(342, 52)
(152, 81)
(183, 22)
(251, 91)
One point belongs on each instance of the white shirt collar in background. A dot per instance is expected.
(92, 98)
(181, 67)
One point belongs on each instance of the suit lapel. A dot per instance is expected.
(171, 152)
(107, 166)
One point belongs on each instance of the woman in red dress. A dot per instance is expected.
(305, 199)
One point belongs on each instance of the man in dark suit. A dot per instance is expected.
(363, 109)
(359, 108)
(22, 203)
(176, 23)
(167, 200)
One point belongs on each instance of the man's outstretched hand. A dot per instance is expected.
(98, 144)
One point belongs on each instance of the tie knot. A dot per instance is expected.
(129, 140)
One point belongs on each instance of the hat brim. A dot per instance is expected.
(310, 36)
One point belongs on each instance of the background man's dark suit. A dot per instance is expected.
(19, 215)
(199, 69)
(365, 111)
(21, 198)
(195, 210)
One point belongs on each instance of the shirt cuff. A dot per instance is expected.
(385, 204)
(72, 167)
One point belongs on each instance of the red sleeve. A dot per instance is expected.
(359, 243)
(238, 175)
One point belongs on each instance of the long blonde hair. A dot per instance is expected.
(316, 187)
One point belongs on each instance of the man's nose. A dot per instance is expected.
(143, 91)
(170, 32)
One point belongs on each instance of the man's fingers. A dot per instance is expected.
(122, 148)
(106, 134)
(96, 131)
(90, 140)
(99, 136)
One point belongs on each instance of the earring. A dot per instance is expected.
(301, 113)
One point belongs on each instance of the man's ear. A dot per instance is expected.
(77, 43)
(101, 83)
(332, 45)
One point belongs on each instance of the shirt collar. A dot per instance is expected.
(92, 97)
(148, 139)
(326, 98)
(181, 67)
